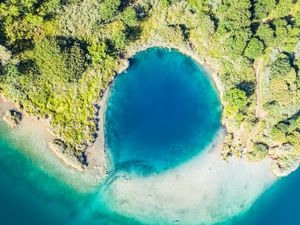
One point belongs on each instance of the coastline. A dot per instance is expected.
(184, 49)
(199, 185)
(97, 159)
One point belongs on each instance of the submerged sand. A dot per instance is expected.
(206, 190)
(37, 139)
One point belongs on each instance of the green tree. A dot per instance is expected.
(129, 17)
(278, 135)
(236, 43)
(108, 9)
(262, 8)
(280, 67)
(254, 48)
(297, 19)
(259, 151)
(76, 61)
(98, 53)
(119, 41)
(281, 29)
(236, 97)
(265, 33)
(9, 73)
(200, 6)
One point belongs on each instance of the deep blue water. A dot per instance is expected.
(32, 195)
(162, 111)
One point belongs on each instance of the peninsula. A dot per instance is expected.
(59, 57)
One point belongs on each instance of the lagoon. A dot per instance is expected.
(162, 111)
(36, 189)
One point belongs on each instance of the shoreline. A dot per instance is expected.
(98, 160)
(98, 157)
(199, 185)
(184, 49)
(102, 163)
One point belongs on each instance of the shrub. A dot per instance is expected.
(109, 9)
(236, 97)
(254, 48)
(280, 67)
(129, 17)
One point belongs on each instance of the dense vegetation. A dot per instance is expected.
(57, 57)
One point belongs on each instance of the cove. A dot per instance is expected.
(161, 111)
(32, 193)
(31, 196)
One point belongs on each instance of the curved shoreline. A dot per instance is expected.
(40, 129)
(199, 185)
(97, 155)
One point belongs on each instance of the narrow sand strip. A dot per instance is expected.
(205, 190)
(36, 138)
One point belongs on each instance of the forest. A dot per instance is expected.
(58, 56)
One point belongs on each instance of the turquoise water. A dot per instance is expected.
(161, 112)
(29, 196)
(32, 194)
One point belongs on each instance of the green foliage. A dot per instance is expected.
(9, 73)
(297, 19)
(236, 43)
(200, 6)
(236, 97)
(24, 20)
(51, 61)
(266, 33)
(259, 151)
(262, 8)
(119, 41)
(98, 53)
(129, 17)
(233, 15)
(109, 9)
(76, 61)
(283, 8)
(254, 48)
(280, 67)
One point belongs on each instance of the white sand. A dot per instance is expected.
(205, 190)
(34, 137)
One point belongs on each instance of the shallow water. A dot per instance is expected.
(31, 196)
(161, 112)
(35, 189)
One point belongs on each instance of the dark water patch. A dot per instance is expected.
(162, 111)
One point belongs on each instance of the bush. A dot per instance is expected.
(236, 97)
(259, 151)
(254, 48)
(262, 8)
(265, 33)
(76, 61)
(129, 17)
(109, 9)
(280, 67)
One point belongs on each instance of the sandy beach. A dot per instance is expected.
(40, 138)
(97, 157)
(204, 190)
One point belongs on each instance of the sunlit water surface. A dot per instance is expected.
(33, 192)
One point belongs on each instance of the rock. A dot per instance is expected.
(13, 118)
(283, 168)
